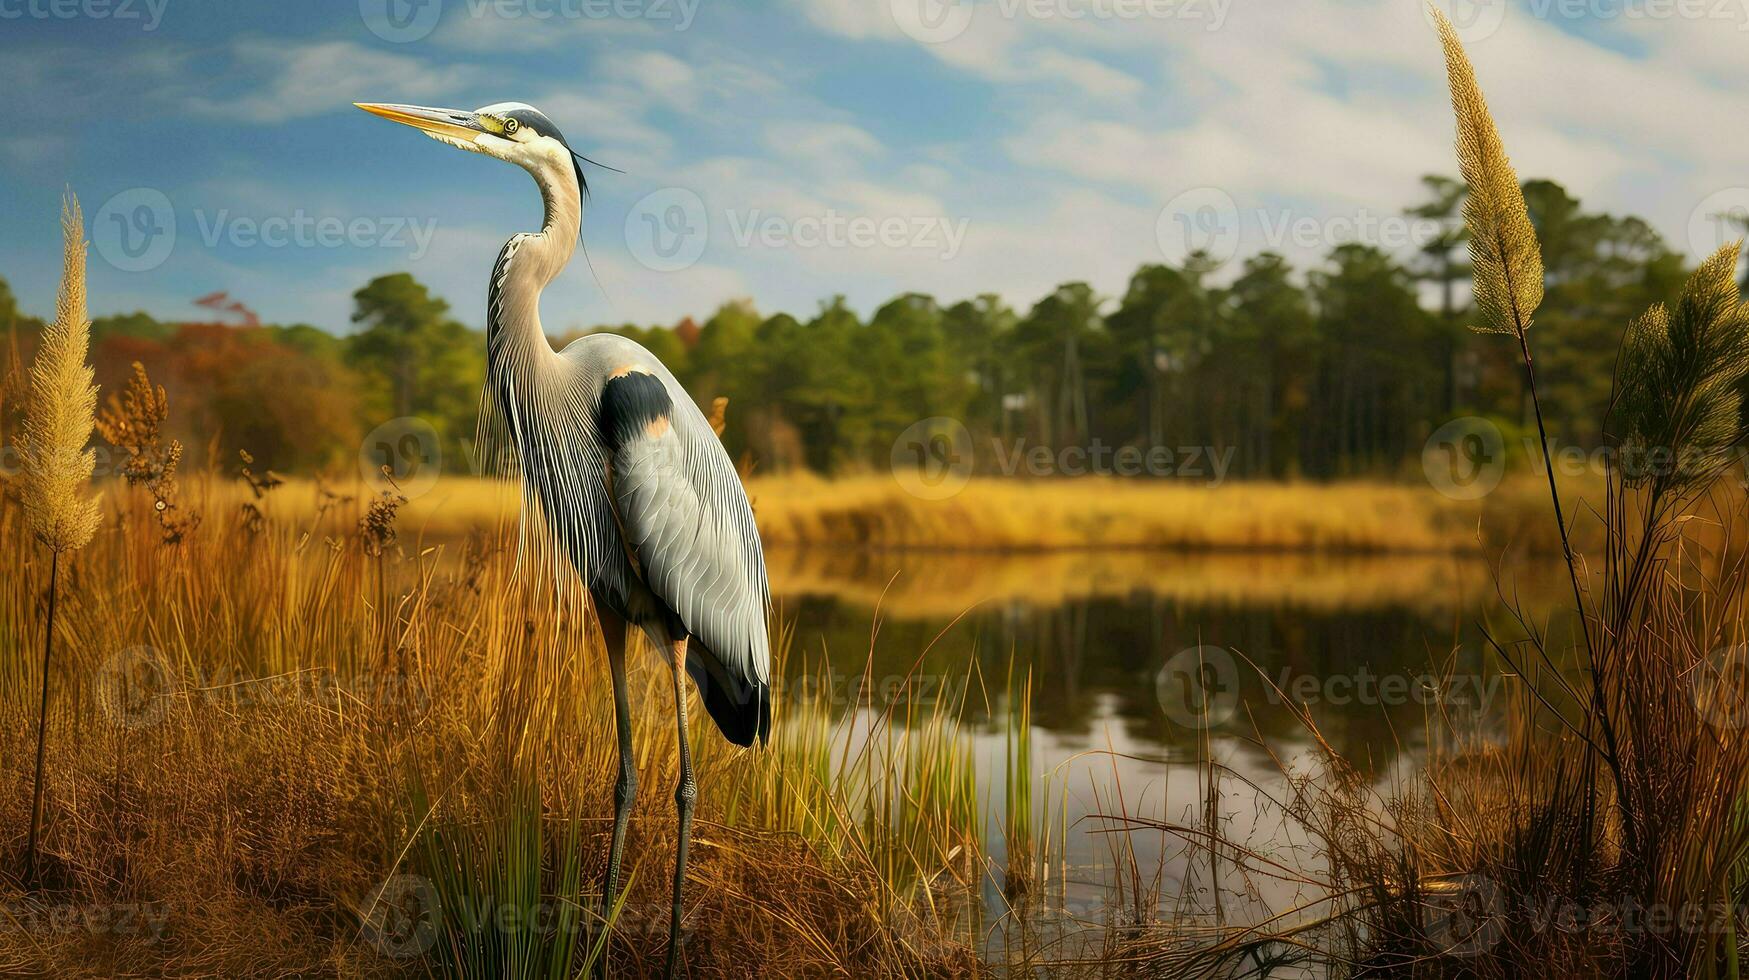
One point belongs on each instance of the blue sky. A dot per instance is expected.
(787, 150)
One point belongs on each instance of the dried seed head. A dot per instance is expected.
(54, 462)
(377, 527)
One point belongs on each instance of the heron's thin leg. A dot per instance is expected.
(613, 630)
(684, 795)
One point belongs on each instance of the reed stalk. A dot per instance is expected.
(54, 462)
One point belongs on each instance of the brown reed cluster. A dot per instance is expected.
(719, 417)
(133, 423)
(260, 485)
(376, 529)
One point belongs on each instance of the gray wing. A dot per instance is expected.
(684, 516)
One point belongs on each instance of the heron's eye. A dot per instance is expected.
(511, 126)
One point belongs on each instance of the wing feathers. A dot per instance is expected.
(687, 528)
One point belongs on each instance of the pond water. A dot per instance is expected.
(1145, 666)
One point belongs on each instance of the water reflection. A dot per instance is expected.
(1365, 643)
(1355, 638)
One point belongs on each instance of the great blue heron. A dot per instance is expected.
(633, 488)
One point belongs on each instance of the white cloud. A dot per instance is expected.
(824, 147)
(1091, 76)
(311, 79)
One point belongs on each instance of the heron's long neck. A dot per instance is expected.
(527, 263)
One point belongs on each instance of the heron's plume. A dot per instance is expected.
(1503, 247)
(54, 461)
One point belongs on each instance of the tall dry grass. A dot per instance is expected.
(281, 746)
(54, 463)
(1603, 828)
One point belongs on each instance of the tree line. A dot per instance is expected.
(1340, 370)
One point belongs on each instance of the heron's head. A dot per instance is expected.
(511, 131)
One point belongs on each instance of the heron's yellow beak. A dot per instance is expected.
(446, 124)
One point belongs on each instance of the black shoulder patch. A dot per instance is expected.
(630, 403)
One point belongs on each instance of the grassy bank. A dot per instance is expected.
(1089, 514)
(284, 749)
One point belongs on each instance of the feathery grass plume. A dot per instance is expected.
(1679, 402)
(54, 461)
(1507, 261)
(1507, 268)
